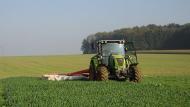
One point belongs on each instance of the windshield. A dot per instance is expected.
(112, 48)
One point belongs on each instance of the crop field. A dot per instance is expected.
(166, 82)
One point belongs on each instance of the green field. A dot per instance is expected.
(165, 83)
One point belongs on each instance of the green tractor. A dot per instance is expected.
(115, 60)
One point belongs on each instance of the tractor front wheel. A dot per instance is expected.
(102, 73)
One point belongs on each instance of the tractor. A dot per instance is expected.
(115, 60)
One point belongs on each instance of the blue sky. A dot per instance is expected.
(41, 27)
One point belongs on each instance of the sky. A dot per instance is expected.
(56, 27)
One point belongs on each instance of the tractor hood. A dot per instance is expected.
(119, 61)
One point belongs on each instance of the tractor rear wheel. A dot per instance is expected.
(102, 73)
(134, 74)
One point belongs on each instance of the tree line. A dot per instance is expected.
(150, 37)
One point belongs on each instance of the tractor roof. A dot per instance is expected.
(111, 41)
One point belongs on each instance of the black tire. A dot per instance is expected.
(134, 74)
(92, 72)
(102, 73)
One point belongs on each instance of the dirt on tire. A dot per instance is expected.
(102, 73)
(135, 74)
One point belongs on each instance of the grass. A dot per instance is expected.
(164, 52)
(1, 93)
(164, 64)
(165, 83)
(151, 64)
(24, 92)
(39, 65)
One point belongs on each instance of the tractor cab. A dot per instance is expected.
(116, 57)
(122, 48)
(109, 48)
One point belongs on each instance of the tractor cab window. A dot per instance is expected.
(129, 48)
(112, 48)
